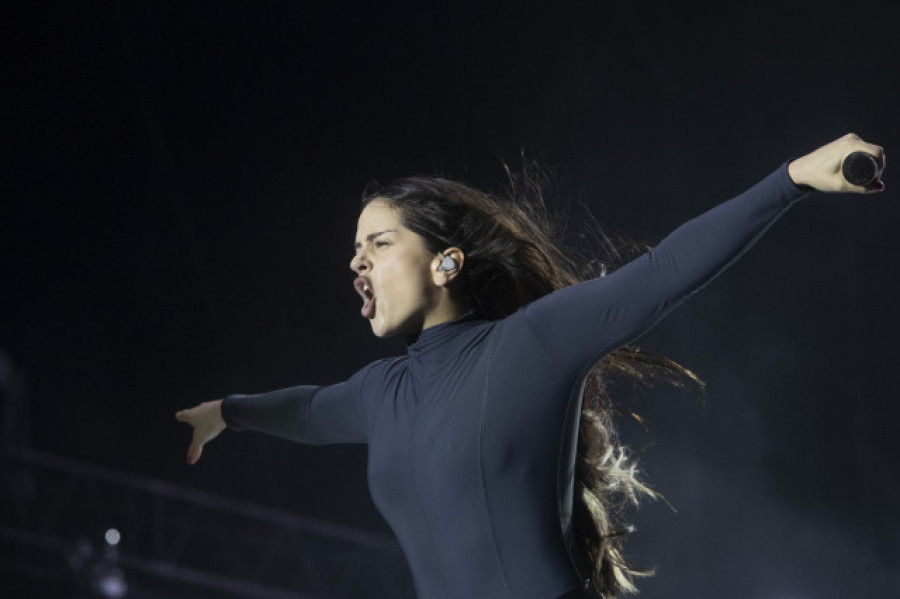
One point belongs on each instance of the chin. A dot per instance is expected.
(384, 330)
(379, 329)
(381, 334)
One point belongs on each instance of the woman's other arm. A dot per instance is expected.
(581, 323)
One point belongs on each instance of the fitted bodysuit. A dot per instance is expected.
(470, 444)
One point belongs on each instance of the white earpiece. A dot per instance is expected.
(447, 263)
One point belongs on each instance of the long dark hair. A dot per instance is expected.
(514, 255)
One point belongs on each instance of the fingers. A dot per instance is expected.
(195, 450)
(854, 143)
(862, 146)
(876, 186)
(206, 420)
(878, 152)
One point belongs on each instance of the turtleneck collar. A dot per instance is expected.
(443, 334)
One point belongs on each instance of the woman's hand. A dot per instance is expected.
(821, 169)
(207, 422)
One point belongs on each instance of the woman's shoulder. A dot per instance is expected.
(382, 367)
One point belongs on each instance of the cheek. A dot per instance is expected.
(406, 284)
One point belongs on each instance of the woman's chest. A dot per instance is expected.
(437, 434)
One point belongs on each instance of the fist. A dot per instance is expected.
(821, 168)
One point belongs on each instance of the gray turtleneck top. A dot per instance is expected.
(470, 434)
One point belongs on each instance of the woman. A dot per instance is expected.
(471, 435)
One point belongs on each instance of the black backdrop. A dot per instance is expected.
(180, 187)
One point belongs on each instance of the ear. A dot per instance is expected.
(447, 265)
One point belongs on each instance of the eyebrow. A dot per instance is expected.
(371, 236)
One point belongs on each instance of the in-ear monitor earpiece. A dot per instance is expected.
(447, 263)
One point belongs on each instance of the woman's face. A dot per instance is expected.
(396, 273)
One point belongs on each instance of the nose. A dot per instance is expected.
(359, 263)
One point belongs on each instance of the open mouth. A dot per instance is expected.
(363, 287)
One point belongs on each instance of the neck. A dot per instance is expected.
(447, 309)
(444, 313)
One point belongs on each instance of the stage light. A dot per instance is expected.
(98, 569)
(112, 537)
(112, 584)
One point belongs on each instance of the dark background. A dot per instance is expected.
(180, 188)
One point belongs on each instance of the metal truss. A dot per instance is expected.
(179, 542)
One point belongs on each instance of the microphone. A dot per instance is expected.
(860, 168)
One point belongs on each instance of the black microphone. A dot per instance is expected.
(860, 168)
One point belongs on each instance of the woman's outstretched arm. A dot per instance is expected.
(305, 414)
(579, 324)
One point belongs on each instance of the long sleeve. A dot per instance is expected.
(579, 324)
(307, 414)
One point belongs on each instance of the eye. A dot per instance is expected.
(380, 244)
